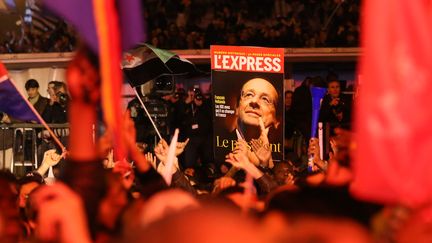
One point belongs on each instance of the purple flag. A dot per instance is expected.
(11, 100)
(79, 13)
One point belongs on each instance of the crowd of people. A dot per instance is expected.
(86, 193)
(19, 145)
(149, 197)
(60, 38)
(201, 23)
(278, 23)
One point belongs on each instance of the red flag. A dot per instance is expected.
(393, 114)
(106, 26)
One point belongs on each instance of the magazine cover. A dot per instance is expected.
(247, 85)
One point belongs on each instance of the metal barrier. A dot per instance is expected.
(22, 136)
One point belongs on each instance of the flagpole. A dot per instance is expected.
(148, 114)
(332, 15)
(40, 119)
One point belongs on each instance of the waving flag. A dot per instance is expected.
(146, 62)
(11, 100)
(106, 26)
(393, 115)
(13, 103)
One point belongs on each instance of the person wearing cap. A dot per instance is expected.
(36, 99)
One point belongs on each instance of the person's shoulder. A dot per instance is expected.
(327, 98)
(346, 97)
(43, 99)
(300, 89)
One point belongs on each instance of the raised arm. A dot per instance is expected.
(83, 81)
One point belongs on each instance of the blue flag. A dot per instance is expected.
(11, 100)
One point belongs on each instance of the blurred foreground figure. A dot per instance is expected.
(393, 110)
(9, 213)
(66, 212)
(211, 225)
(393, 116)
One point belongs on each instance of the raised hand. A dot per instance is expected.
(83, 84)
(223, 183)
(240, 159)
(51, 158)
(314, 150)
(109, 159)
(151, 159)
(161, 151)
(83, 79)
(180, 147)
(261, 146)
(5, 119)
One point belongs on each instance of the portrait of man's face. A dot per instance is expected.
(258, 98)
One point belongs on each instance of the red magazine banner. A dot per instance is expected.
(247, 84)
(247, 59)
